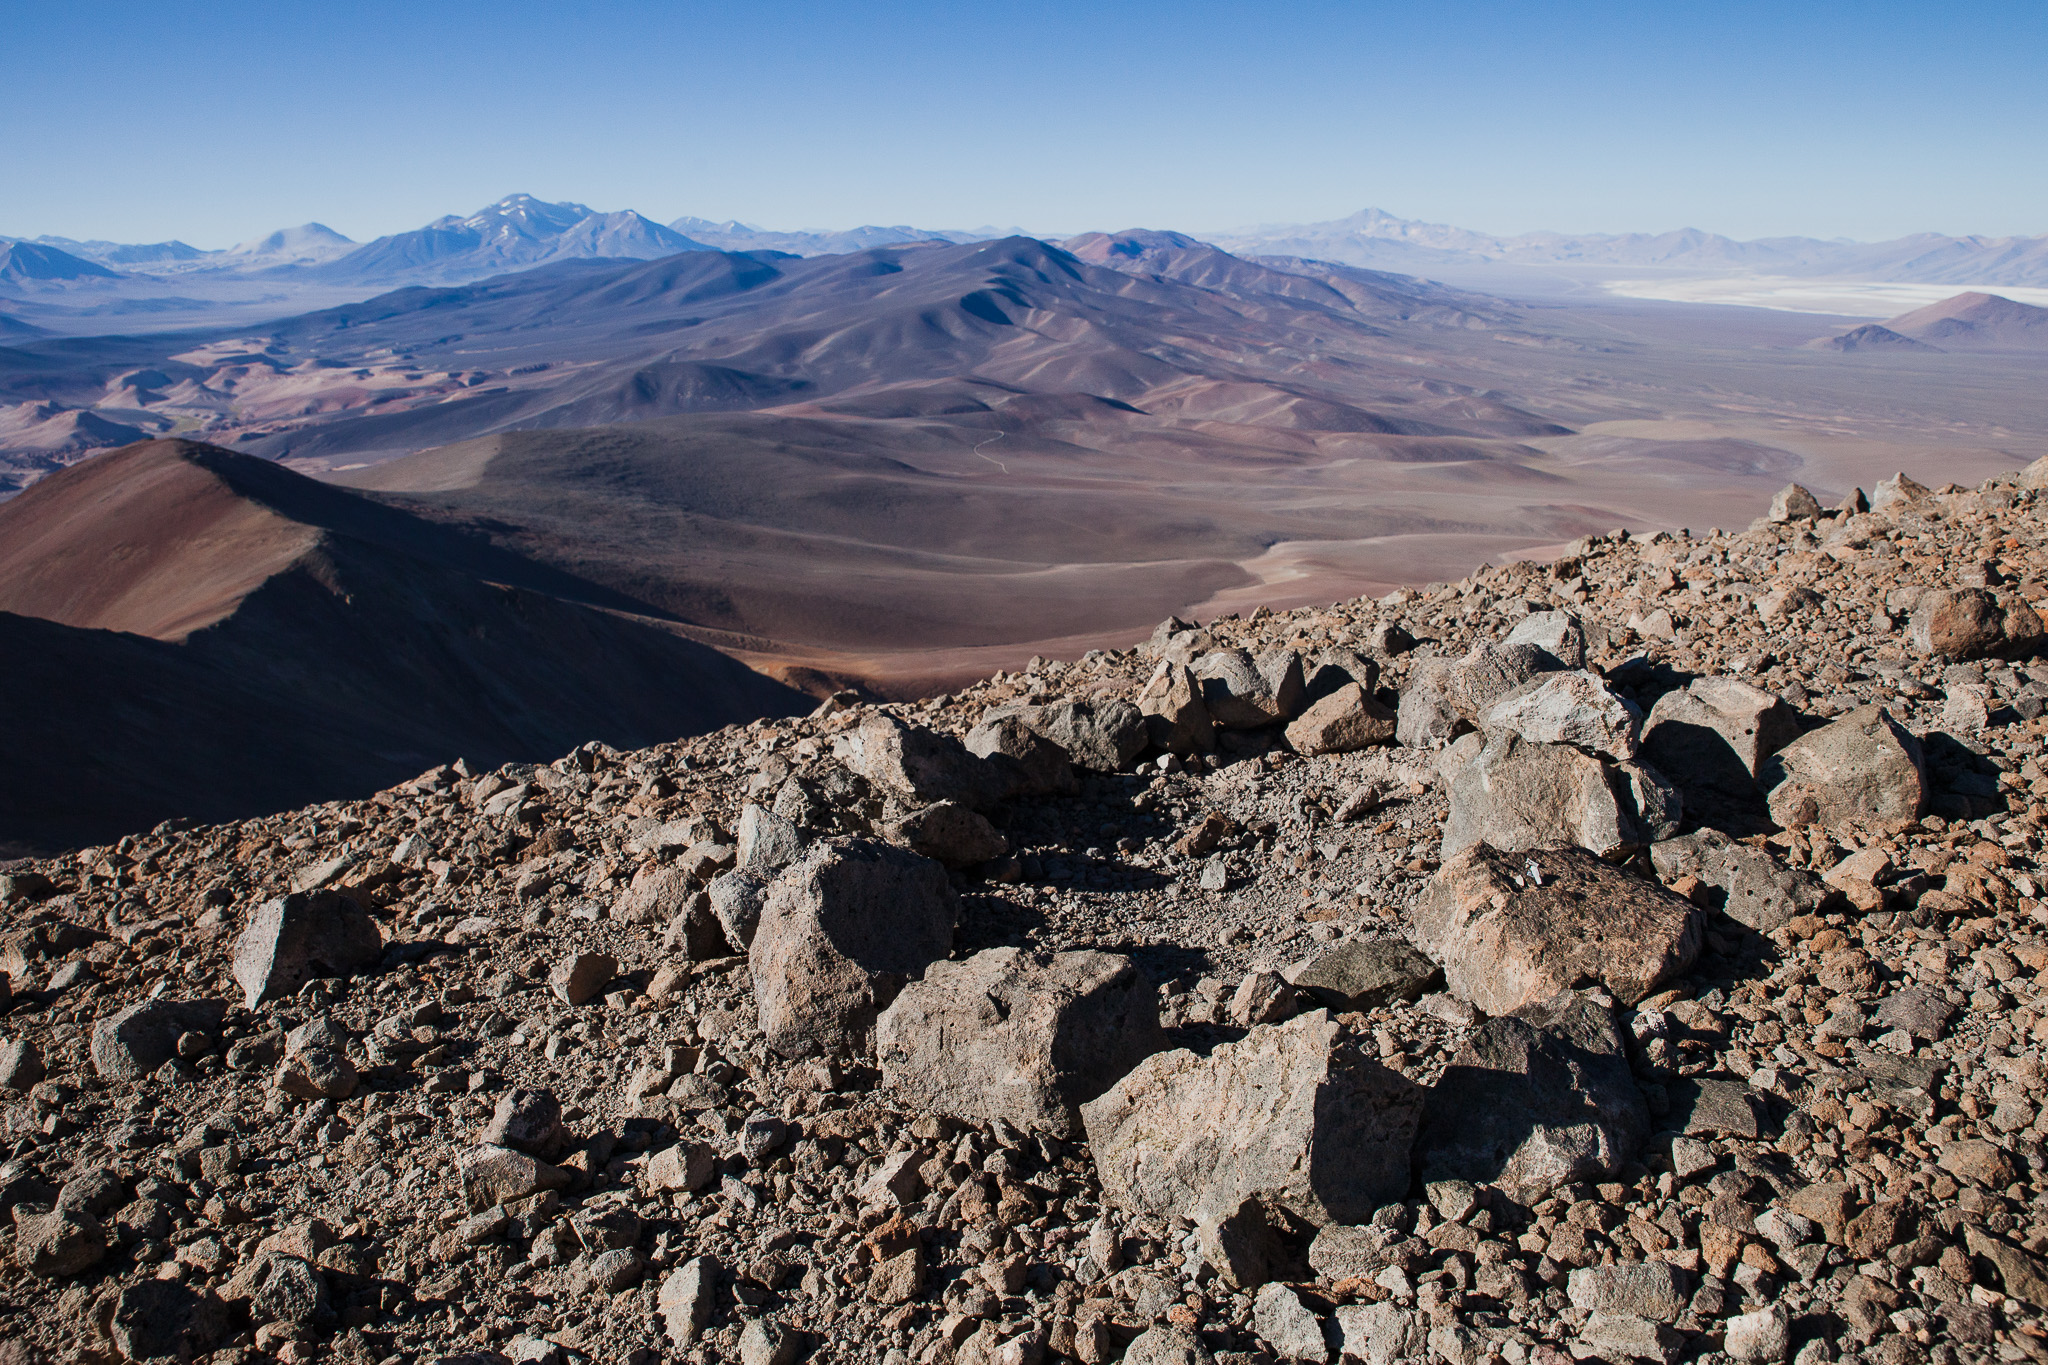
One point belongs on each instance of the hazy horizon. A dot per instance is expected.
(31, 233)
(1860, 121)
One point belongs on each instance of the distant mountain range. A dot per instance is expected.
(1380, 241)
(79, 287)
(516, 233)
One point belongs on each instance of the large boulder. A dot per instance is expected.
(1336, 667)
(1793, 503)
(1033, 764)
(920, 767)
(133, 1043)
(1444, 697)
(528, 1121)
(1100, 734)
(1018, 1036)
(840, 934)
(1517, 794)
(766, 842)
(164, 1320)
(1899, 492)
(1558, 633)
(61, 1242)
(1298, 1119)
(1567, 707)
(950, 833)
(1242, 693)
(1365, 974)
(1514, 929)
(1176, 718)
(1534, 1100)
(1347, 720)
(1970, 623)
(1760, 891)
(302, 937)
(1715, 733)
(1863, 766)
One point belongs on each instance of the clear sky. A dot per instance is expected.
(213, 123)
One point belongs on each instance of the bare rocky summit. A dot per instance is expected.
(1637, 957)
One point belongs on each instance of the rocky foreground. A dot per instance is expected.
(1636, 957)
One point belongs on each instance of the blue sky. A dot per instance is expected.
(213, 123)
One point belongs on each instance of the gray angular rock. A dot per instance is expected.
(61, 1242)
(949, 833)
(298, 938)
(1380, 1334)
(1176, 718)
(1365, 974)
(1032, 764)
(686, 1299)
(840, 934)
(133, 1043)
(764, 1343)
(1100, 734)
(1864, 766)
(1445, 697)
(1535, 1100)
(1292, 1332)
(1920, 1011)
(1567, 707)
(1241, 693)
(657, 894)
(286, 1289)
(1644, 1289)
(164, 1320)
(1760, 1338)
(1888, 496)
(499, 1175)
(1793, 503)
(1165, 1344)
(1518, 795)
(1620, 1336)
(1560, 634)
(1514, 929)
(1300, 1117)
(1715, 733)
(735, 901)
(1761, 892)
(21, 1065)
(528, 1121)
(1019, 1036)
(1338, 667)
(577, 978)
(1263, 998)
(610, 1272)
(1345, 1251)
(2021, 1274)
(1347, 720)
(1712, 1106)
(685, 1166)
(1651, 798)
(766, 842)
(921, 767)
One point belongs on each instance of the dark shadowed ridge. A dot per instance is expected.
(351, 646)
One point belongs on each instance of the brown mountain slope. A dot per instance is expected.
(336, 645)
(1981, 322)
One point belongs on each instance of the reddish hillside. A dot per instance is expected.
(221, 637)
(148, 539)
